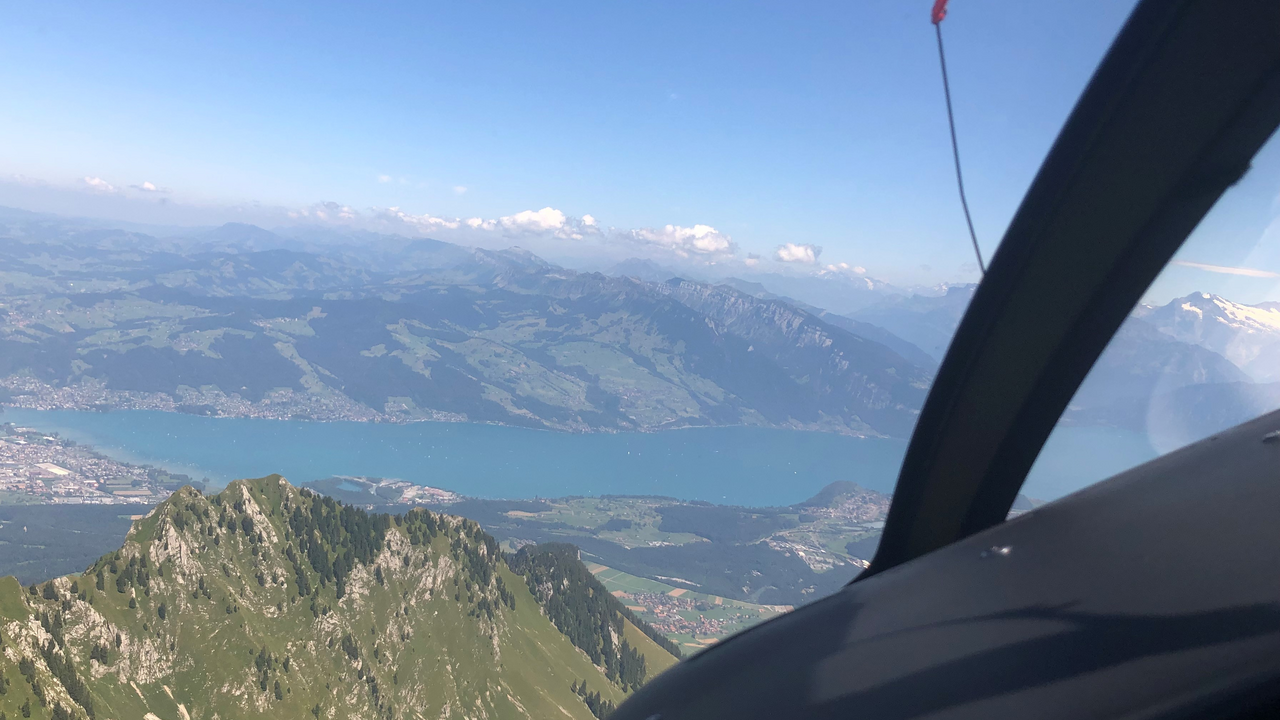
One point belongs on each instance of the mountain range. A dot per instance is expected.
(268, 601)
(322, 324)
(427, 330)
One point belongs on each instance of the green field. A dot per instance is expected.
(618, 580)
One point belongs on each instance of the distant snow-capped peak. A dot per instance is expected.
(1247, 335)
(1209, 308)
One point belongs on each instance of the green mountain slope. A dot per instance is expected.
(657, 658)
(594, 620)
(268, 601)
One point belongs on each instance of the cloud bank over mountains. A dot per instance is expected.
(548, 230)
(697, 242)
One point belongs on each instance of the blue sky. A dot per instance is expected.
(773, 123)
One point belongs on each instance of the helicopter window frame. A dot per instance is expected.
(1183, 100)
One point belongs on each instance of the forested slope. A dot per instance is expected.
(269, 601)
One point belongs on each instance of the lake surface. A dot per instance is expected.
(734, 465)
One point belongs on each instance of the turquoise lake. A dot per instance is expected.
(733, 465)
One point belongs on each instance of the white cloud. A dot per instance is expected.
(797, 253)
(328, 211)
(424, 222)
(845, 269)
(460, 189)
(384, 178)
(701, 240)
(1226, 270)
(149, 187)
(752, 260)
(97, 184)
(548, 221)
(545, 219)
(395, 219)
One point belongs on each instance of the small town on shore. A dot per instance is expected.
(42, 468)
(37, 467)
(20, 391)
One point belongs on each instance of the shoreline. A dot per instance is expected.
(285, 405)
